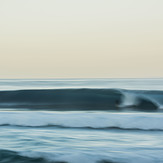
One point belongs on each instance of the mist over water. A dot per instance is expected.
(113, 132)
(138, 84)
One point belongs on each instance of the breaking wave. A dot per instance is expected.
(82, 99)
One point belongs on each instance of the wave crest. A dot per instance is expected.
(82, 99)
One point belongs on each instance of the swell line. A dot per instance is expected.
(82, 128)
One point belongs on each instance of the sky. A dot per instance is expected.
(81, 38)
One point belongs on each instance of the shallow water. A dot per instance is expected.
(34, 135)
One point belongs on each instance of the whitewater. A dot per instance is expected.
(81, 120)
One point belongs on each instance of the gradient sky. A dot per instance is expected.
(81, 38)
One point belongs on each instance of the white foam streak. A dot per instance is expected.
(129, 99)
(132, 98)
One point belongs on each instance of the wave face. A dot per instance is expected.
(82, 99)
(101, 120)
(8, 156)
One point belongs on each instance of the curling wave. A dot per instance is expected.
(82, 99)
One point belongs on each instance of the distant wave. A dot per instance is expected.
(82, 99)
(101, 120)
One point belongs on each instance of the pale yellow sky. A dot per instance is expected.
(81, 38)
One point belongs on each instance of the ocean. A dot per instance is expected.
(81, 120)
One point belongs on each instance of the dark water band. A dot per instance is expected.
(75, 99)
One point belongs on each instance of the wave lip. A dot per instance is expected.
(82, 99)
(147, 99)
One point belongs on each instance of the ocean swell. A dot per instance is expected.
(82, 99)
(126, 121)
(8, 156)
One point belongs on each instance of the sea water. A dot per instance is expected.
(83, 135)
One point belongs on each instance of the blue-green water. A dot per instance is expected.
(43, 136)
